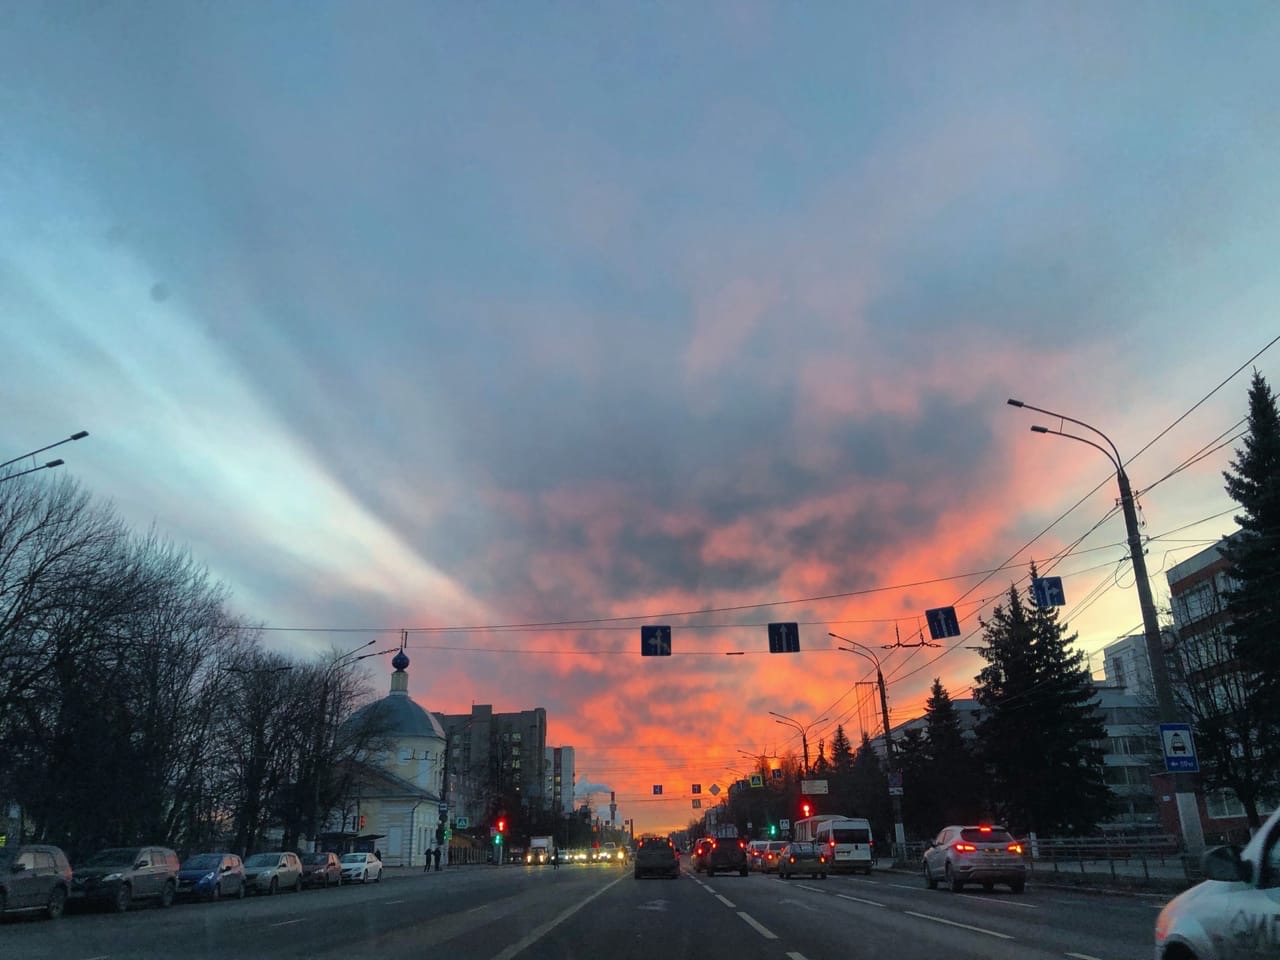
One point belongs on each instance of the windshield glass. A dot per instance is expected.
(315, 859)
(354, 857)
(994, 835)
(263, 860)
(115, 857)
(802, 849)
(203, 861)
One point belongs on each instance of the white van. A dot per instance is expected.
(848, 841)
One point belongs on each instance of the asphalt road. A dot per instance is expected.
(488, 913)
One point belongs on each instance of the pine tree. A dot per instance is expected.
(951, 767)
(841, 751)
(869, 789)
(1253, 556)
(821, 767)
(1040, 730)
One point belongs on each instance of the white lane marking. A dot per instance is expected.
(758, 926)
(104, 956)
(1081, 956)
(953, 923)
(390, 902)
(539, 932)
(727, 903)
(792, 955)
(285, 923)
(1011, 903)
(805, 886)
(870, 903)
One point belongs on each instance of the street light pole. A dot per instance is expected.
(803, 730)
(1188, 809)
(899, 831)
(78, 435)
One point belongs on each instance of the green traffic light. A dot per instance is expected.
(773, 831)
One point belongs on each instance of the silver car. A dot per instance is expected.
(271, 872)
(361, 867)
(1234, 913)
(982, 854)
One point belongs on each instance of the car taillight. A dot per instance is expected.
(793, 859)
(961, 847)
(832, 843)
(1014, 848)
(822, 859)
(713, 844)
(742, 844)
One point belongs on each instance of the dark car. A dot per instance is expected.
(700, 851)
(728, 852)
(34, 877)
(657, 855)
(118, 876)
(321, 870)
(211, 876)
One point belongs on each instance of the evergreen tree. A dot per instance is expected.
(821, 767)
(1253, 555)
(951, 769)
(869, 790)
(920, 817)
(1041, 729)
(841, 751)
(841, 776)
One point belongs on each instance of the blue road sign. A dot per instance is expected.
(697, 788)
(1048, 592)
(655, 641)
(784, 638)
(942, 622)
(657, 789)
(1179, 748)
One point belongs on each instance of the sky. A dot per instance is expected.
(449, 316)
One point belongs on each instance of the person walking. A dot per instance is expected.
(435, 855)
(555, 858)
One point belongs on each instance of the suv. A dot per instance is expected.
(980, 854)
(727, 852)
(270, 872)
(657, 855)
(34, 877)
(117, 876)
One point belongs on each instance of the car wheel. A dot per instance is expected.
(988, 886)
(275, 886)
(954, 882)
(56, 905)
(123, 896)
(378, 878)
(217, 892)
(1017, 886)
(167, 894)
(364, 877)
(929, 882)
(240, 895)
(297, 884)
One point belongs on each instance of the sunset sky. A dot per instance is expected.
(455, 315)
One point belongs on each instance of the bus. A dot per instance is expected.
(848, 840)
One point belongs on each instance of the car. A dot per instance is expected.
(657, 855)
(610, 853)
(272, 872)
(321, 870)
(34, 877)
(755, 851)
(981, 853)
(362, 867)
(119, 876)
(801, 856)
(769, 856)
(211, 876)
(700, 851)
(727, 853)
(1233, 913)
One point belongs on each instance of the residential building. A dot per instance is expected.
(1126, 664)
(494, 758)
(558, 789)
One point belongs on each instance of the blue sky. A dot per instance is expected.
(426, 315)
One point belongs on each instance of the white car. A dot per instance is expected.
(1234, 913)
(361, 867)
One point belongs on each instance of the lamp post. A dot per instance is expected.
(1188, 810)
(890, 760)
(803, 730)
(79, 435)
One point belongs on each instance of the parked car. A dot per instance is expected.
(657, 855)
(211, 876)
(800, 856)
(34, 877)
(118, 876)
(271, 872)
(321, 870)
(1232, 913)
(362, 867)
(975, 854)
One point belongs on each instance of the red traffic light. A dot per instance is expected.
(805, 808)
(502, 826)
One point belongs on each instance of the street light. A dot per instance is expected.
(79, 435)
(861, 650)
(803, 730)
(1188, 811)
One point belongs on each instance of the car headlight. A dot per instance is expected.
(112, 876)
(208, 878)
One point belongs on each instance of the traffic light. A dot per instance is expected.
(806, 808)
(362, 821)
(502, 826)
(773, 830)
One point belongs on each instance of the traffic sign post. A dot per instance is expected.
(784, 638)
(1179, 748)
(942, 622)
(1048, 592)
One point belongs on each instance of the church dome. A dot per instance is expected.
(396, 715)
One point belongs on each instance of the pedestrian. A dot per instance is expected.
(555, 858)
(435, 855)
(377, 853)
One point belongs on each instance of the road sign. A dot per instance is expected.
(1048, 592)
(655, 641)
(697, 803)
(463, 822)
(784, 824)
(757, 780)
(1179, 748)
(813, 787)
(444, 809)
(657, 789)
(777, 773)
(715, 790)
(784, 638)
(697, 788)
(942, 622)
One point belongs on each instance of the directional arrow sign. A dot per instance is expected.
(943, 622)
(655, 641)
(784, 638)
(1048, 592)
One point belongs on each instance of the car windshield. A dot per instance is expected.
(802, 849)
(315, 859)
(263, 860)
(993, 835)
(354, 857)
(203, 861)
(115, 857)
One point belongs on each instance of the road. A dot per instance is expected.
(491, 913)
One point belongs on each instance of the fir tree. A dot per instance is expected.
(1253, 555)
(1040, 730)
(951, 767)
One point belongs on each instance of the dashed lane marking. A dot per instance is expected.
(953, 923)
(758, 926)
(726, 902)
(792, 955)
(870, 903)
(1011, 903)
(390, 902)
(1081, 956)
(541, 931)
(285, 923)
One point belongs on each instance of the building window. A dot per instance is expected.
(515, 737)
